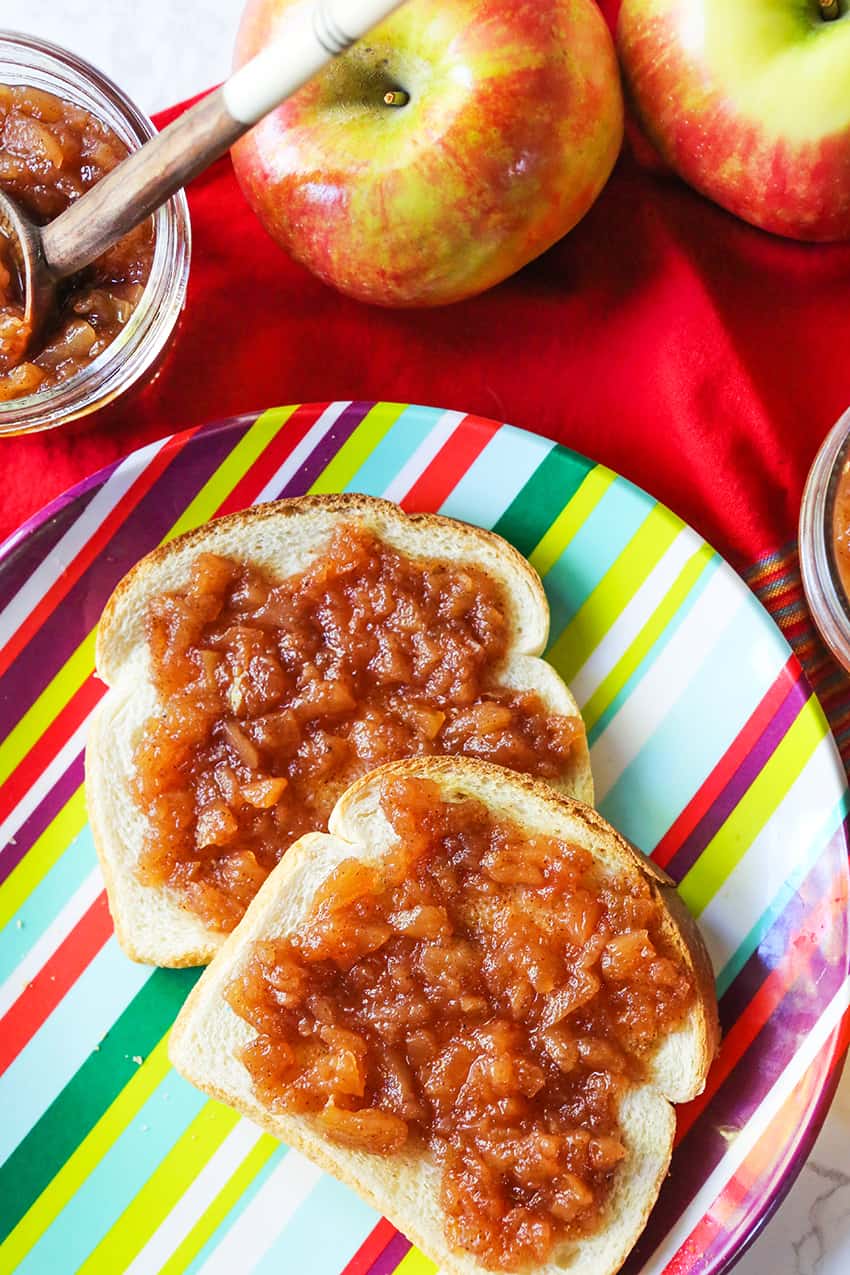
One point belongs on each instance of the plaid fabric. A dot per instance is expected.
(776, 582)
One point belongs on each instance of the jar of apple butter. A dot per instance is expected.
(824, 539)
(63, 125)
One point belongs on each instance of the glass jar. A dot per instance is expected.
(825, 594)
(138, 346)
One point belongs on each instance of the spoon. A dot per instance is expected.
(316, 32)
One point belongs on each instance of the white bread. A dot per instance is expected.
(282, 538)
(405, 1187)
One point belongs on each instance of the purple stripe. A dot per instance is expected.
(733, 1105)
(790, 922)
(326, 449)
(26, 548)
(396, 1250)
(141, 531)
(35, 823)
(750, 767)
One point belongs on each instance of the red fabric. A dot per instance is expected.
(698, 356)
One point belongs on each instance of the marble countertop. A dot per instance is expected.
(177, 48)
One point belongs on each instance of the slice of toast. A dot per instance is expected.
(405, 1187)
(282, 538)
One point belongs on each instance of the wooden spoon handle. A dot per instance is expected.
(137, 187)
(313, 34)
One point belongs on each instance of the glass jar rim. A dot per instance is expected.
(25, 59)
(827, 601)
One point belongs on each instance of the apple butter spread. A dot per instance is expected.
(51, 153)
(277, 696)
(481, 993)
(841, 528)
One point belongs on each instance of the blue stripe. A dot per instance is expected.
(657, 649)
(713, 707)
(236, 1212)
(46, 901)
(808, 857)
(499, 474)
(394, 450)
(323, 1234)
(593, 550)
(108, 1190)
(64, 1041)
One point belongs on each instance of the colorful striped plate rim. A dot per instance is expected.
(710, 753)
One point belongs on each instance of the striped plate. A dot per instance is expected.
(709, 752)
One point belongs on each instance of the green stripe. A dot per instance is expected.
(773, 783)
(560, 535)
(88, 1094)
(532, 511)
(73, 1173)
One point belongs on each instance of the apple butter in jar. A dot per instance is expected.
(51, 152)
(841, 526)
(63, 126)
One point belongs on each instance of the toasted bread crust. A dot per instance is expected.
(343, 504)
(301, 873)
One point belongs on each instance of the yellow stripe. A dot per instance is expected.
(619, 584)
(227, 1199)
(415, 1263)
(174, 1174)
(571, 518)
(732, 841)
(80, 665)
(47, 707)
(608, 689)
(45, 852)
(53, 1199)
(231, 471)
(340, 470)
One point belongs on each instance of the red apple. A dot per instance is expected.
(513, 124)
(749, 100)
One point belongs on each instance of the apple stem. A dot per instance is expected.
(829, 9)
(396, 97)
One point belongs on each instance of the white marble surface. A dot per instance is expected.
(159, 51)
(163, 50)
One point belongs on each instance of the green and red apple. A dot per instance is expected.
(749, 101)
(511, 122)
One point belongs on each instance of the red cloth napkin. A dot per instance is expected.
(692, 353)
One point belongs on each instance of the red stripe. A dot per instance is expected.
(726, 767)
(57, 734)
(89, 551)
(270, 460)
(458, 453)
(55, 978)
(780, 980)
(371, 1248)
(739, 1189)
(91, 691)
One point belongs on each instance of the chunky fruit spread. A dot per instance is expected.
(482, 992)
(276, 696)
(51, 153)
(841, 527)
